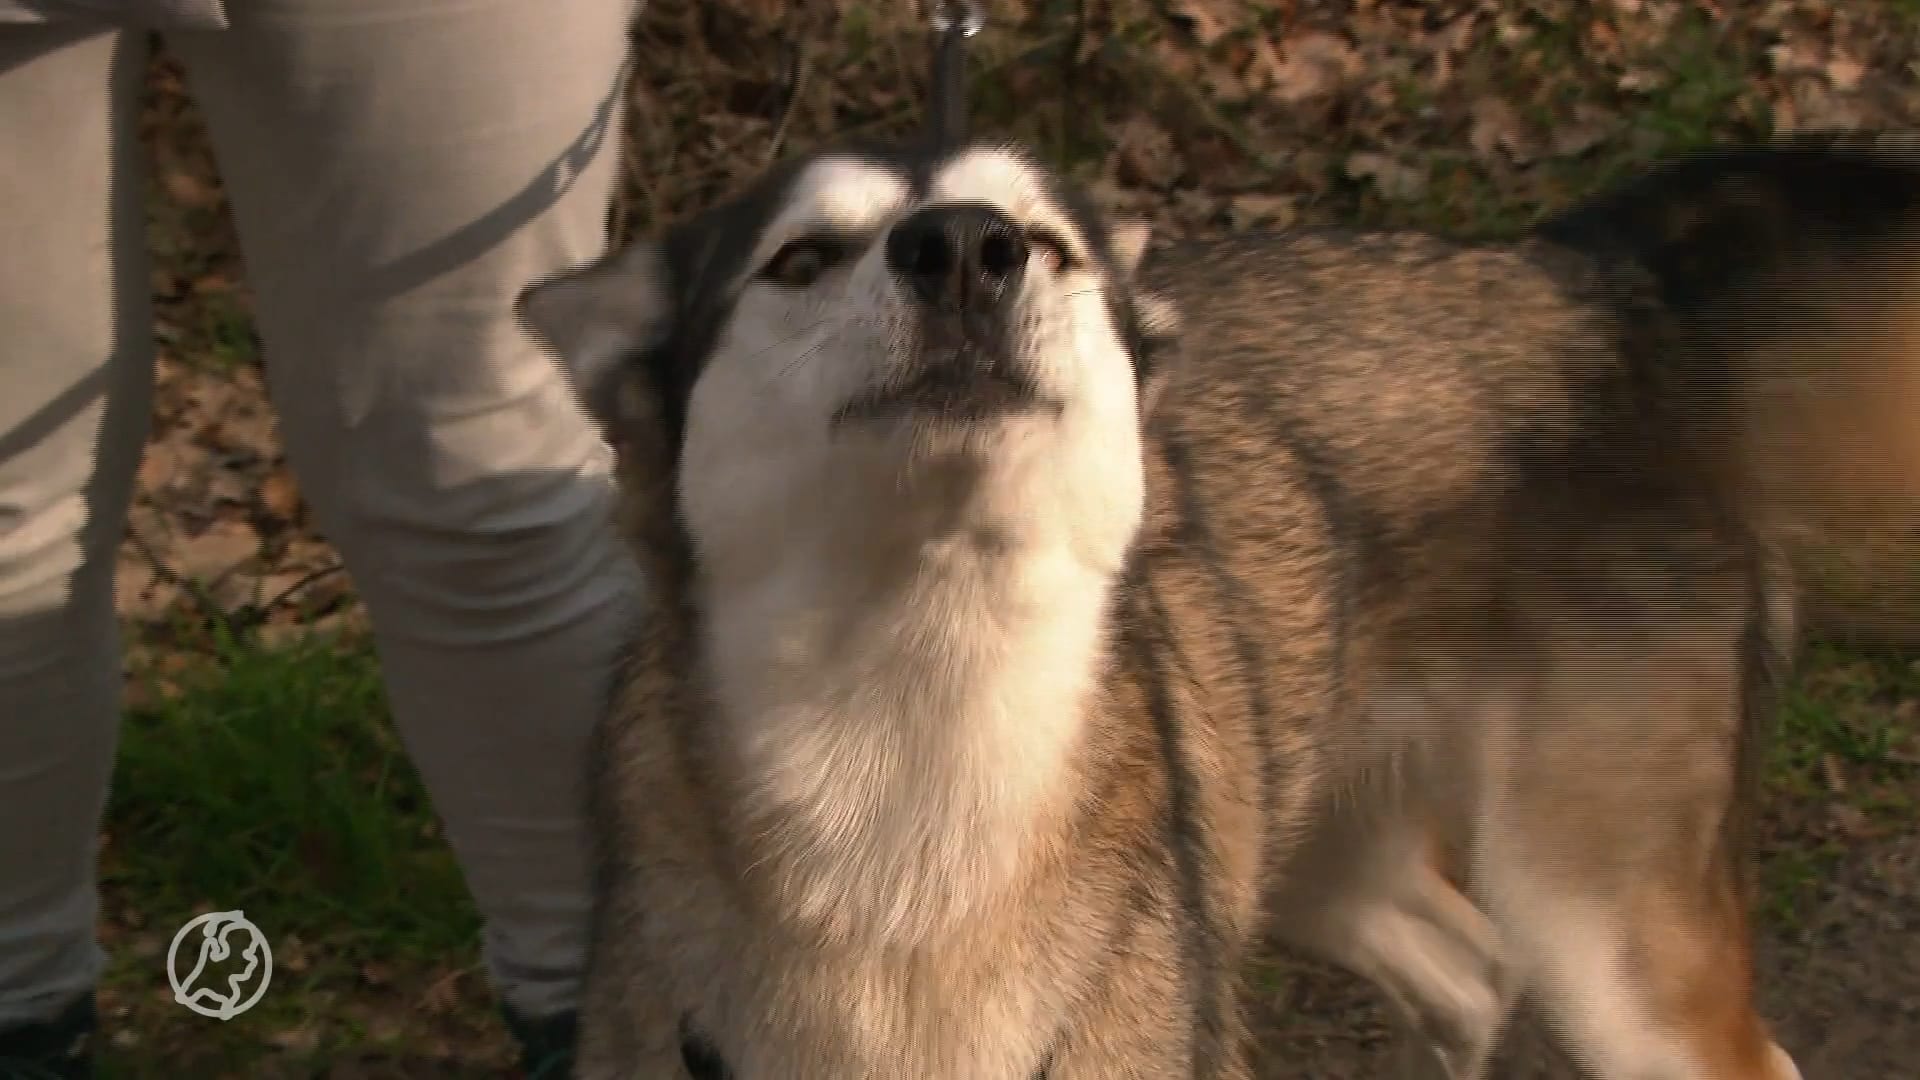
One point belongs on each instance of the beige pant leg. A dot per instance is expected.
(75, 395)
(399, 170)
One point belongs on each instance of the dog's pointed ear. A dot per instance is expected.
(1128, 240)
(1156, 343)
(595, 317)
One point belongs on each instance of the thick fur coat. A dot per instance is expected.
(1023, 654)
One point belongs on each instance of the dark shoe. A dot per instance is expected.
(546, 1043)
(59, 1049)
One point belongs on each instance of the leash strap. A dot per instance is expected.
(953, 22)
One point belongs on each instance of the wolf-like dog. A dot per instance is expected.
(1039, 623)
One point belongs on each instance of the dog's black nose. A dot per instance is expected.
(958, 255)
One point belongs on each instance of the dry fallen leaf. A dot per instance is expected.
(214, 284)
(1831, 772)
(1589, 127)
(213, 554)
(1396, 182)
(1602, 38)
(1497, 128)
(1254, 67)
(443, 994)
(297, 1040)
(140, 592)
(1845, 73)
(189, 190)
(1817, 106)
(1512, 29)
(1852, 822)
(1312, 64)
(163, 460)
(1197, 211)
(1795, 57)
(291, 954)
(384, 1027)
(1641, 80)
(1270, 211)
(280, 493)
(1144, 155)
(1198, 18)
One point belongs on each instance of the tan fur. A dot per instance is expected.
(1832, 435)
(1442, 647)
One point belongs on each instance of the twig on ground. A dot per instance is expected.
(202, 599)
(242, 620)
(306, 580)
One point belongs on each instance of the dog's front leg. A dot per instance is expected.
(629, 1027)
(627, 1033)
(1366, 895)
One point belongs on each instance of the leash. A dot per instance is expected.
(952, 22)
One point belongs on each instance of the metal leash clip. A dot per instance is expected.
(945, 15)
(953, 22)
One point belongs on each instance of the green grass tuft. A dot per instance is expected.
(272, 781)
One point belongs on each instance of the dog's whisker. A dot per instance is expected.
(810, 328)
(813, 350)
(796, 363)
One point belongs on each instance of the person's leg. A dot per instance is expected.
(399, 170)
(75, 393)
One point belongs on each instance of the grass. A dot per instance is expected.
(270, 780)
(1842, 769)
(287, 757)
(228, 338)
(1844, 710)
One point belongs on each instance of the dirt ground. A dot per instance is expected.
(1842, 988)
(1847, 989)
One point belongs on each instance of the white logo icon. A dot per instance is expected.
(212, 945)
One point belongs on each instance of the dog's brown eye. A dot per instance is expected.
(1050, 249)
(800, 263)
